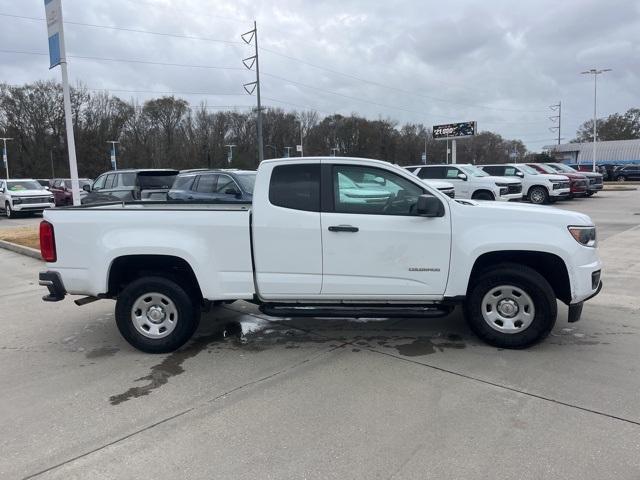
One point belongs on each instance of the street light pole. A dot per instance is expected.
(4, 154)
(230, 156)
(595, 72)
(114, 163)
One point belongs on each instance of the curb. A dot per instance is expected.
(28, 251)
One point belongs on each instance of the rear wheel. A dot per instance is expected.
(621, 178)
(483, 195)
(511, 306)
(538, 195)
(156, 315)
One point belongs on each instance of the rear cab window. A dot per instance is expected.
(296, 186)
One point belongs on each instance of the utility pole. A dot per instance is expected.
(249, 62)
(4, 154)
(114, 164)
(53, 172)
(230, 155)
(595, 72)
(556, 118)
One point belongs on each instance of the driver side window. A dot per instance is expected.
(374, 191)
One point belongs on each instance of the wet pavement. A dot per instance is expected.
(257, 397)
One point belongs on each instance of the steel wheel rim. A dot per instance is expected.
(508, 309)
(537, 196)
(154, 315)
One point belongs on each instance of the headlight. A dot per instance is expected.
(504, 191)
(584, 235)
(557, 185)
(17, 201)
(52, 200)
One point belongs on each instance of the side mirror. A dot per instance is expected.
(232, 191)
(86, 187)
(430, 206)
(462, 176)
(520, 174)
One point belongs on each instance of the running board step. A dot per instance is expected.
(355, 310)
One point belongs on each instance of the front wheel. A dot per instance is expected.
(590, 194)
(482, 196)
(511, 306)
(9, 211)
(538, 195)
(621, 178)
(156, 315)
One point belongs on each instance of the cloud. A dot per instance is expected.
(500, 62)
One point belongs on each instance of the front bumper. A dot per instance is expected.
(595, 187)
(31, 207)
(509, 197)
(53, 282)
(560, 193)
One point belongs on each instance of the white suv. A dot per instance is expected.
(471, 182)
(28, 196)
(538, 187)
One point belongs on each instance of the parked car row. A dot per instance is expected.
(540, 183)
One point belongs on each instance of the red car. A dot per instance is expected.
(579, 183)
(61, 190)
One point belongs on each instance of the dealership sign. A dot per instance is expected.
(452, 131)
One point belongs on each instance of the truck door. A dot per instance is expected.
(287, 241)
(374, 244)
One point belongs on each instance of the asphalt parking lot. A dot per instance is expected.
(254, 397)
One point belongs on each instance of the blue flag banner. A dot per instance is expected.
(53, 9)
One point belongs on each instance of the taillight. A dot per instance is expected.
(47, 242)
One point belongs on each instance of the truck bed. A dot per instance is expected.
(213, 239)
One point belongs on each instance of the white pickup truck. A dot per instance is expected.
(341, 237)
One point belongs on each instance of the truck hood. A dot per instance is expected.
(591, 174)
(30, 193)
(438, 184)
(505, 180)
(555, 178)
(518, 211)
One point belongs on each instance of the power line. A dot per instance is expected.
(122, 60)
(125, 29)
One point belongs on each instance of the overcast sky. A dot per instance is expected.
(501, 63)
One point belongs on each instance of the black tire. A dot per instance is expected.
(483, 195)
(8, 211)
(538, 195)
(530, 282)
(621, 178)
(187, 307)
(589, 194)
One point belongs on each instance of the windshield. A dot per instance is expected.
(546, 168)
(560, 167)
(19, 185)
(247, 181)
(474, 171)
(528, 169)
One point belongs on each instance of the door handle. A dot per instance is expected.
(343, 228)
